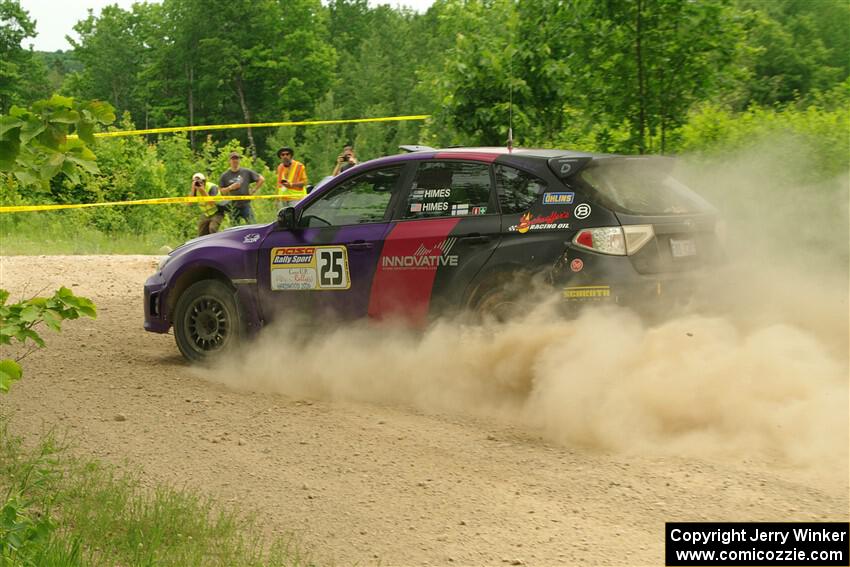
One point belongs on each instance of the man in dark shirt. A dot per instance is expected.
(237, 181)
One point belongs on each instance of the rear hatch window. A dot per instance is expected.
(641, 186)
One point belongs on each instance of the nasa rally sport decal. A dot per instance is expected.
(306, 268)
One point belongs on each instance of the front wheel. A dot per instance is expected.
(206, 320)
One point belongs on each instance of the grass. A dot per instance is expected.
(96, 515)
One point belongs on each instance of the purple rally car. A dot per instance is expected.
(431, 231)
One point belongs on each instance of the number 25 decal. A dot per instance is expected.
(333, 268)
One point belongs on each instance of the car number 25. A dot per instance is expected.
(333, 268)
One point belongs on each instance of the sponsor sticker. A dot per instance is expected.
(302, 268)
(588, 292)
(251, 238)
(552, 221)
(479, 210)
(425, 194)
(558, 198)
(577, 264)
(460, 209)
(582, 211)
(424, 257)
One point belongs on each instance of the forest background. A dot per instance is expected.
(703, 79)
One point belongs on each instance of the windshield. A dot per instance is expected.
(642, 186)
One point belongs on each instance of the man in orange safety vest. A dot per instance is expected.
(291, 179)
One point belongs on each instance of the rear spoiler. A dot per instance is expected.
(567, 166)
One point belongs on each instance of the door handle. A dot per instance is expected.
(360, 245)
(475, 238)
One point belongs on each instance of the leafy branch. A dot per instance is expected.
(18, 322)
(51, 137)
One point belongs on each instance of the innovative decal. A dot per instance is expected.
(548, 222)
(558, 198)
(305, 268)
(424, 257)
(577, 264)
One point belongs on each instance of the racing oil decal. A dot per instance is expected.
(305, 268)
(413, 252)
(552, 221)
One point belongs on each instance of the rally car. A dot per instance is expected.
(431, 231)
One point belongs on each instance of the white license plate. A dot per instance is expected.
(683, 248)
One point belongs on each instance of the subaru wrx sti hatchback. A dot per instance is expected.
(432, 231)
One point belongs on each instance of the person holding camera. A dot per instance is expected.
(345, 160)
(212, 214)
(291, 179)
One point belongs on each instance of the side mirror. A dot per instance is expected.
(287, 218)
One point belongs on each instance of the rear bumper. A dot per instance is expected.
(613, 279)
(156, 316)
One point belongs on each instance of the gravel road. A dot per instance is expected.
(420, 473)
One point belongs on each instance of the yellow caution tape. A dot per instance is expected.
(158, 201)
(168, 200)
(120, 133)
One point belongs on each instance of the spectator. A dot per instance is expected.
(237, 181)
(345, 160)
(291, 178)
(211, 213)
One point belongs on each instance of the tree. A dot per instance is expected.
(796, 48)
(51, 137)
(23, 77)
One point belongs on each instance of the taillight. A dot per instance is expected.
(615, 240)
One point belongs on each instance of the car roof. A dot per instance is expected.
(484, 153)
(523, 152)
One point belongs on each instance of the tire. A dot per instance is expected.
(497, 304)
(206, 320)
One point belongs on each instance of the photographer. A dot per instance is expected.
(345, 160)
(212, 214)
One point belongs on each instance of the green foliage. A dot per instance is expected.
(18, 322)
(23, 75)
(620, 76)
(104, 517)
(25, 529)
(50, 138)
(813, 136)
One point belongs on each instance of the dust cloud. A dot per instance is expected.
(757, 367)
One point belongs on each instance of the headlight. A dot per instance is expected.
(162, 262)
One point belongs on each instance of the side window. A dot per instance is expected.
(360, 200)
(449, 188)
(517, 189)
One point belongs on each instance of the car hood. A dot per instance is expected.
(248, 236)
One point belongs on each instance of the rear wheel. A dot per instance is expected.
(497, 305)
(206, 320)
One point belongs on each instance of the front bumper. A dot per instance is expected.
(156, 315)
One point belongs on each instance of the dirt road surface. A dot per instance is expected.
(369, 483)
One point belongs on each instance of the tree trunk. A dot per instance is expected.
(641, 80)
(190, 76)
(252, 147)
